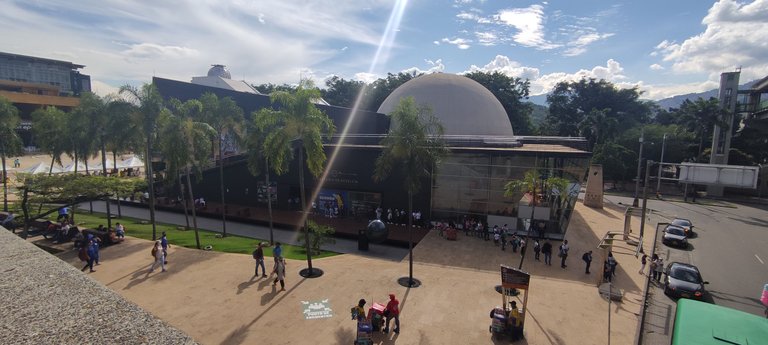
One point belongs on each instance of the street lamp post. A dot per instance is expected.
(639, 167)
(661, 163)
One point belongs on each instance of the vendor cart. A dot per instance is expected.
(373, 322)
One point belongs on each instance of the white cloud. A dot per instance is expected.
(507, 66)
(529, 23)
(461, 43)
(365, 77)
(656, 67)
(734, 36)
(156, 51)
(436, 66)
(661, 91)
(261, 18)
(103, 89)
(487, 38)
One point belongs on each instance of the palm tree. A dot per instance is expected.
(10, 142)
(701, 116)
(255, 155)
(414, 146)
(122, 134)
(49, 129)
(226, 118)
(148, 105)
(298, 126)
(186, 143)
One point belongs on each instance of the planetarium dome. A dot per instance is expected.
(219, 71)
(462, 105)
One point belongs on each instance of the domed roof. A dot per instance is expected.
(463, 106)
(219, 71)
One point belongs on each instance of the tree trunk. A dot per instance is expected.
(304, 209)
(194, 214)
(184, 201)
(150, 182)
(50, 172)
(88, 173)
(114, 165)
(269, 203)
(221, 187)
(72, 213)
(24, 210)
(5, 181)
(410, 238)
(530, 227)
(104, 170)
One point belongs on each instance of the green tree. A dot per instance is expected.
(342, 93)
(10, 142)
(49, 129)
(413, 147)
(299, 126)
(380, 89)
(256, 154)
(596, 125)
(700, 117)
(510, 91)
(186, 143)
(617, 160)
(147, 106)
(96, 113)
(527, 185)
(67, 190)
(226, 118)
(122, 134)
(270, 88)
(571, 102)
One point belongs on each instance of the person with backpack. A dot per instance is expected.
(587, 257)
(157, 254)
(84, 256)
(258, 255)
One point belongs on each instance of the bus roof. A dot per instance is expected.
(702, 323)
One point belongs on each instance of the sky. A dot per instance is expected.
(664, 48)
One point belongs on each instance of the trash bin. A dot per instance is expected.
(362, 240)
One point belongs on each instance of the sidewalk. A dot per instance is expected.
(215, 298)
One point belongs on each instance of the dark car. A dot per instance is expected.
(686, 224)
(675, 236)
(684, 280)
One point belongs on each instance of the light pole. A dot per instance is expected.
(639, 167)
(661, 163)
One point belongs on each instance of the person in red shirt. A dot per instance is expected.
(392, 311)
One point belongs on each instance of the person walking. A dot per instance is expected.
(643, 261)
(536, 249)
(503, 239)
(280, 271)
(522, 246)
(258, 255)
(563, 253)
(612, 263)
(606, 271)
(546, 249)
(158, 255)
(392, 311)
(587, 257)
(165, 245)
(85, 255)
(515, 243)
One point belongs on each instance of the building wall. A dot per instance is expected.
(36, 72)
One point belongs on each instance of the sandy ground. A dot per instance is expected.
(215, 298)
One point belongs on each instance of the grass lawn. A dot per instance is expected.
(229, 244)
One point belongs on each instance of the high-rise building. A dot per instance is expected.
(32, 82)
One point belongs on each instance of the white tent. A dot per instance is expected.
(96, 165)
(132, 162)
(71, 168)
(40, 168)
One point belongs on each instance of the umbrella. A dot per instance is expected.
(40, 168)
(132, 162)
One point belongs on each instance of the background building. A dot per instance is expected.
(485, 154)
(31, 82)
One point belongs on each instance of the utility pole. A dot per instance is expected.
(648, 164)
(661, 163)
(639, 167)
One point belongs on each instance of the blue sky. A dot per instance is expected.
(664, 48)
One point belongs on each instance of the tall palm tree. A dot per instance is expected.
(148, 106)
(186, 144)
(10, 142)
(226, 118)
(49, 129)
(298, 126)
(256, 155)
(701, 116)
(414, 146)
(122, 134)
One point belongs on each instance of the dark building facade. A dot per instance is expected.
(469, 183)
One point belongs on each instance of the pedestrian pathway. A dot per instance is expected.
(342, 245)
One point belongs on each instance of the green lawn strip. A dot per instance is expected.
(229, 244)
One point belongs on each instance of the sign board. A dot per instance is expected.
(719, 175)
(316, 310)
(513, 278)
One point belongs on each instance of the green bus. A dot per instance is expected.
(700, 323)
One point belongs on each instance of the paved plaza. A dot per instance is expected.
(215, 298)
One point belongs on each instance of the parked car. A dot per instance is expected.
(684, 280)
(686, 224)
(674, 236)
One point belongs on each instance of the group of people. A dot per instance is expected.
(391, 311)
(160, 253)
(657, 267)
(279, 267)
(399, 216)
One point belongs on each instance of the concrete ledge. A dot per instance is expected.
(47, 301)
